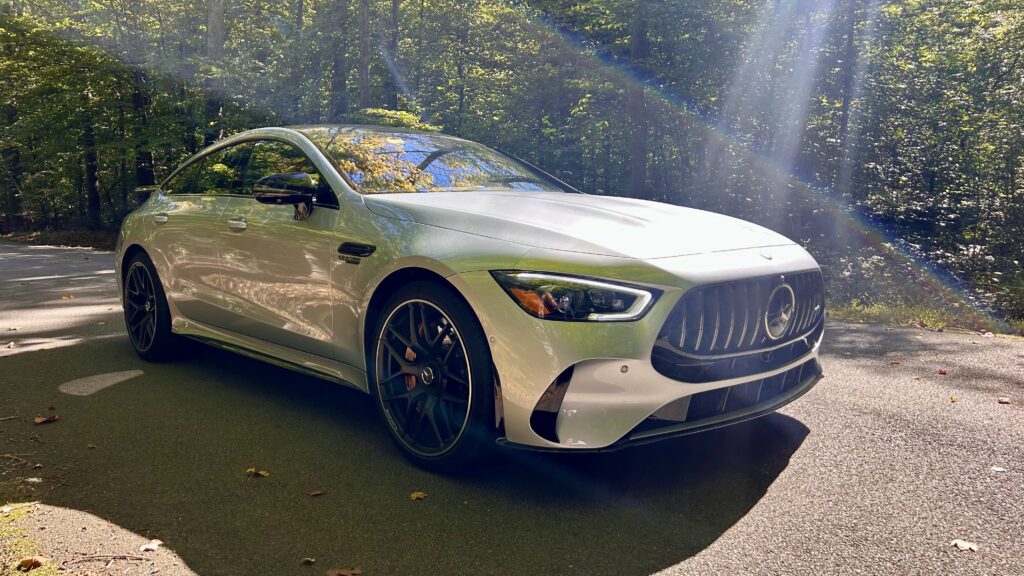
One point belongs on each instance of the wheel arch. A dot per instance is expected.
(128, 254)
(388, 286)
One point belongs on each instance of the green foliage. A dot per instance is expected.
(396, 118)
(835, 123)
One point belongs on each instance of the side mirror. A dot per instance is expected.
(295, 189)
(142, 193)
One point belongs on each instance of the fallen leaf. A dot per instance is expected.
(952, 398)
(1004, 399)
(150, 546)
(6, 510)
(964, 545)
(253, 473)
(31, 563)
(68, 297)
(308, 561)
(998, 469)
(417, 495)
(344, 572)
(45, 419)
(941, 372)
(34, 480)
(315, 493)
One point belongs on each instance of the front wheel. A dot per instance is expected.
(432, 376)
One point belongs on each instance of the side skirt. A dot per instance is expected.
(281, 356)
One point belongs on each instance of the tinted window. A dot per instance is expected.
(273, 157)
(217, 173)
(223, 170)
(186, 181)
(388, 162)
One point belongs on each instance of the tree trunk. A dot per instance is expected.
(391, 82)
(364, 53)
(12, 155)
(215, 39)
(300, 14)
(636, 109)
(462, 37)
(337, 103)
(144, 175)
(92, 184)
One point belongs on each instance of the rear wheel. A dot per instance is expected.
(432, 376)
(146, 314)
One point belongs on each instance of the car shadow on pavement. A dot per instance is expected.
(165, 455)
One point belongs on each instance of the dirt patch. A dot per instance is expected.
(78, 543)
(98, 239)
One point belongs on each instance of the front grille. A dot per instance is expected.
(729, 318)
(669, 362)
(742, 400)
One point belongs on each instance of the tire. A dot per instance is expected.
(431, 377)
(146, 314)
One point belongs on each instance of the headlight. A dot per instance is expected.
(554, 297)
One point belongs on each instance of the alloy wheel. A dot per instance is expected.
(423, 378)
(140, 307)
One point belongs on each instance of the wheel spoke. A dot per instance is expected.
(444, 418)
(451, 398)
(394, 354)
(419, 427)
(433, 426)
(457, 379)
(405, 341)
(138, 319)
(439, 341)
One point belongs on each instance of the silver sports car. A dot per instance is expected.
(478, 299)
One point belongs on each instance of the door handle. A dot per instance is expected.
(160, 219)
(238, 225)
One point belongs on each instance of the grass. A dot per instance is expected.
(15, 544)
(98, 239)
(919, 316)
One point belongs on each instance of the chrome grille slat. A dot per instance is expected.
(700, 327)
(732, 316)
(718, 317)
(745, 302)
(728, 318)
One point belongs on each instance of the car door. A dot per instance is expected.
(186, 231)
(275, 269)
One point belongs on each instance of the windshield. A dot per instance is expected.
(380, 162)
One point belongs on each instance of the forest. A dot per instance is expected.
(886, 136)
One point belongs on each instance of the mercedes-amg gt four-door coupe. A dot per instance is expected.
(478, 299)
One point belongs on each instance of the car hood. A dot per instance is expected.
(603, 225)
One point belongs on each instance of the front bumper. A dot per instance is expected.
(613, 390)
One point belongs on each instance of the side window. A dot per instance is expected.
(216, 174)
(223, 170)
(186, 181)
(273, 157)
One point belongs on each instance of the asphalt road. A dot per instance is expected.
(874, 471)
